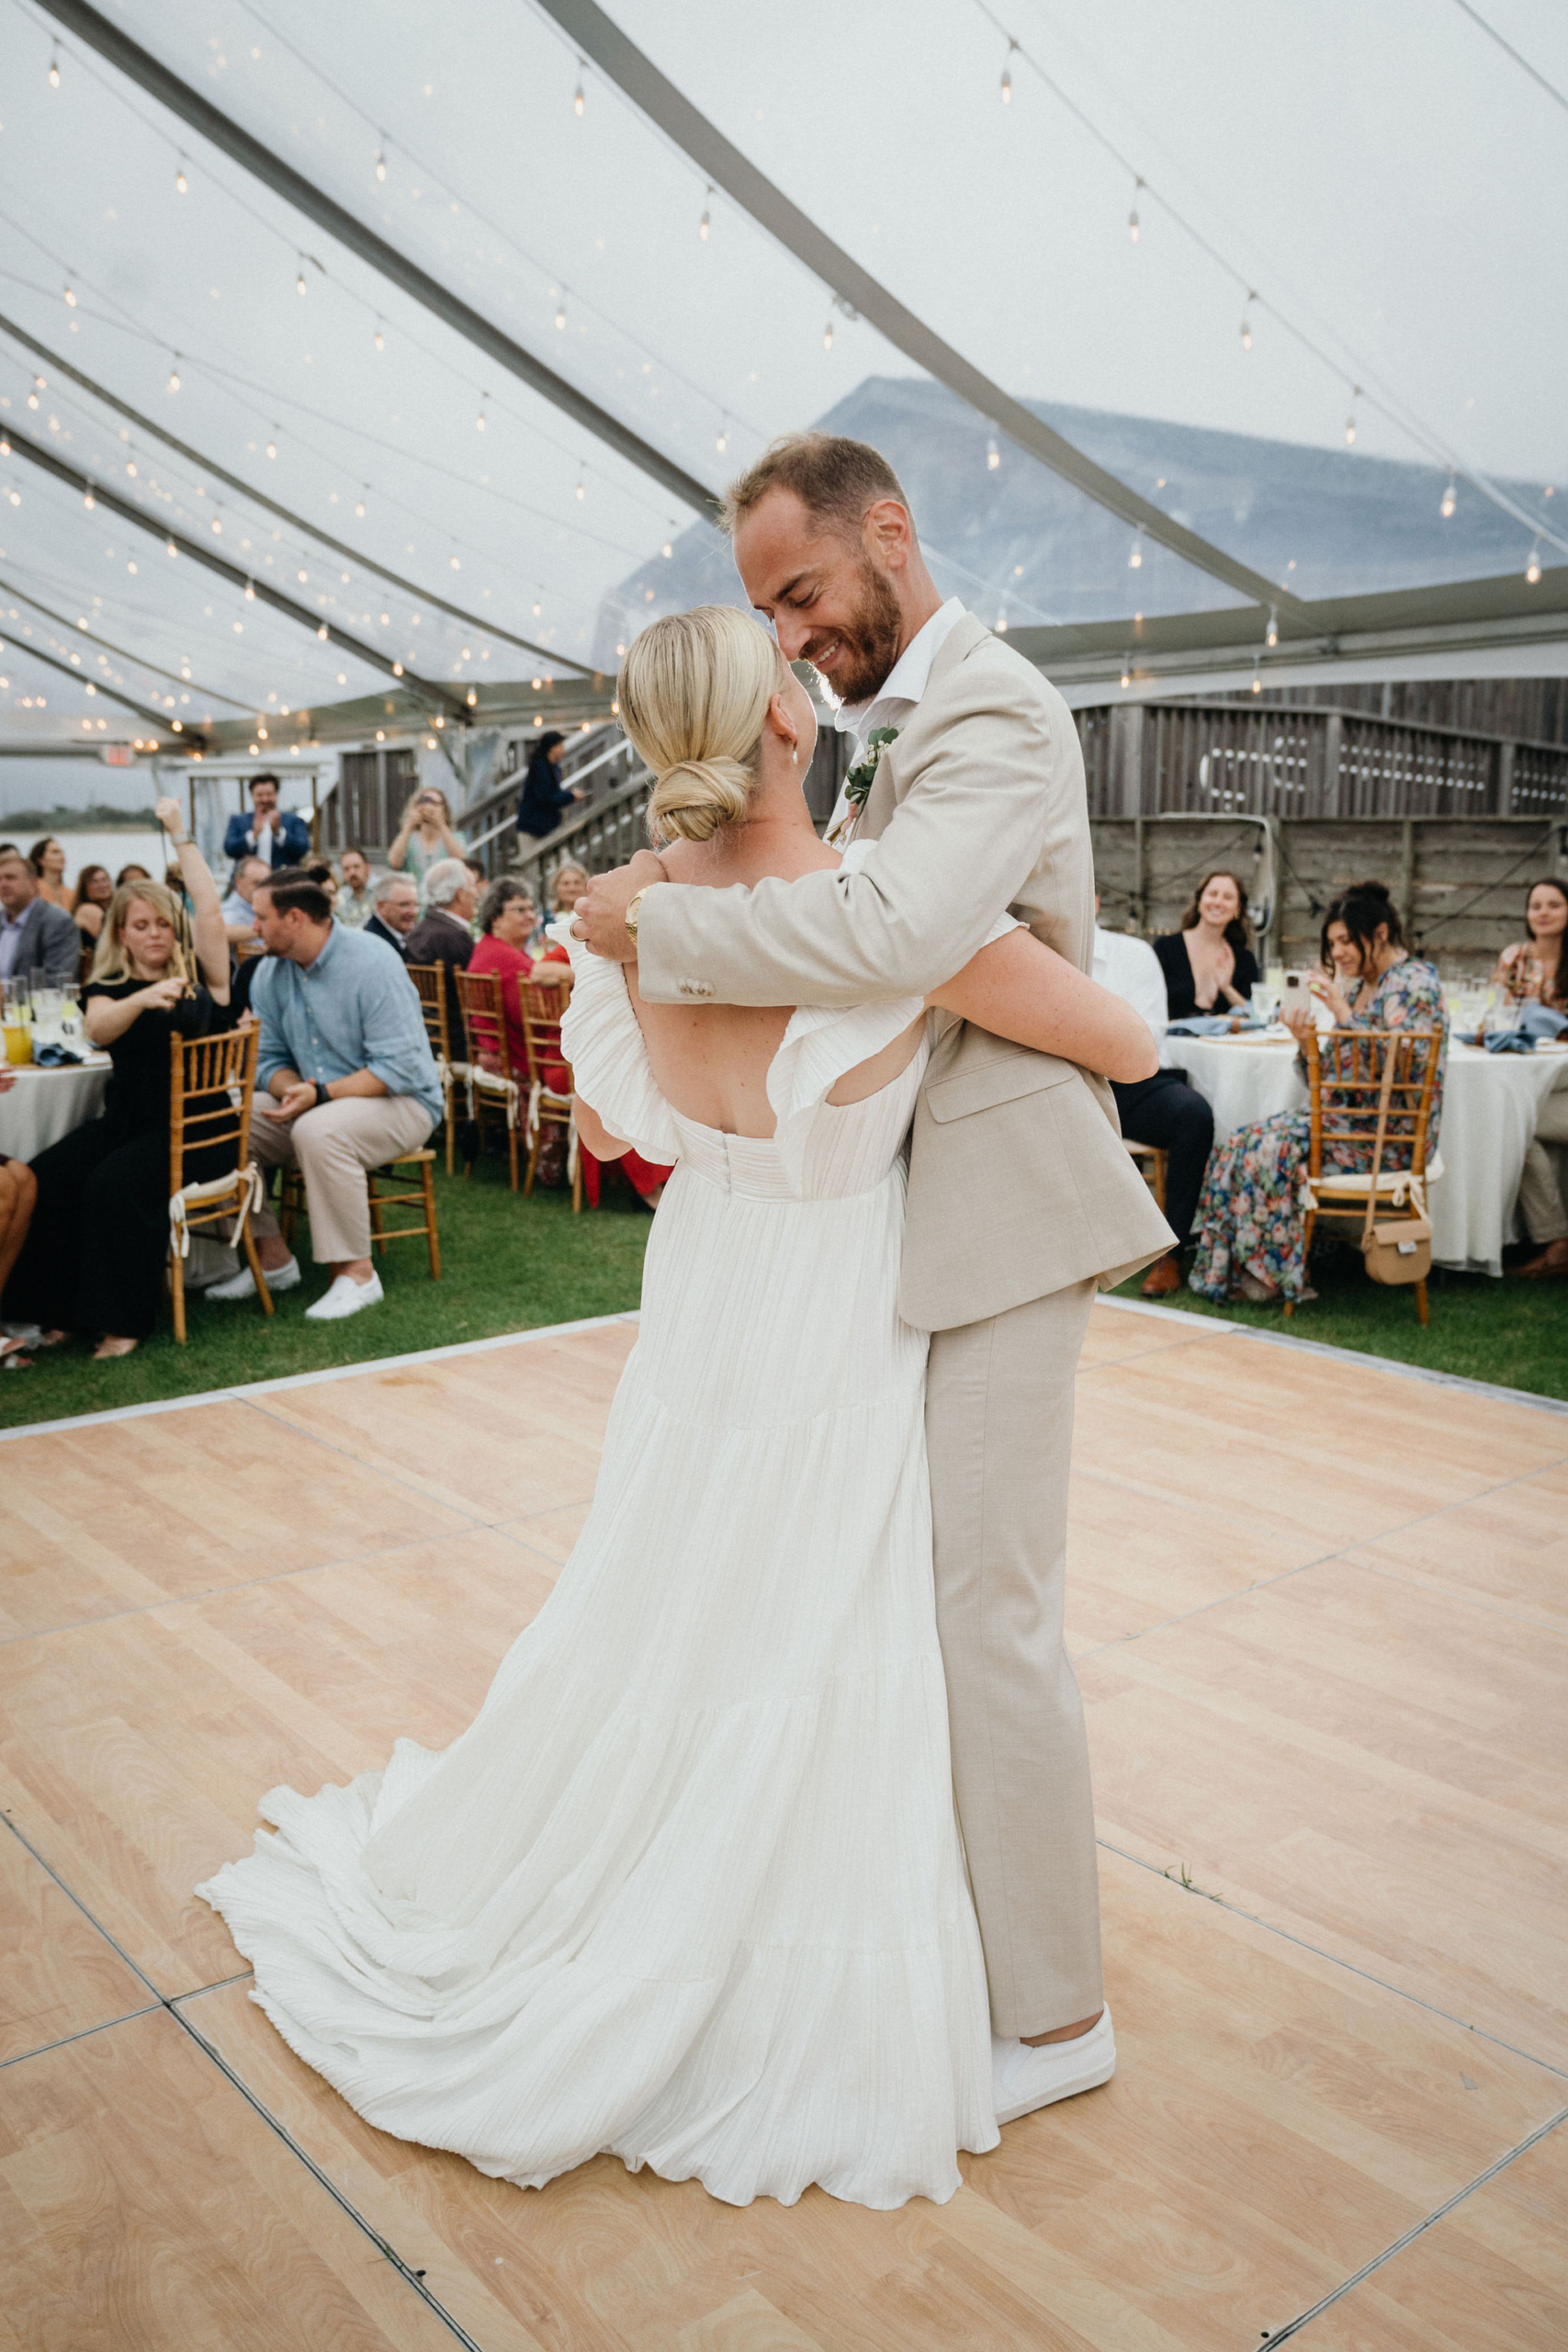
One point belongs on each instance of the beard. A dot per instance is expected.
(869, 638)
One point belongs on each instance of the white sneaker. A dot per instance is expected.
(345, 1297)
(243, 1284)
(1024, 2078)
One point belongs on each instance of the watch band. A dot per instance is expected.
(631, 914)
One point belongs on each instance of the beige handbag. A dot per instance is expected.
(1394, 1250)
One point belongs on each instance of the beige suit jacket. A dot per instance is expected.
(1019, 1181)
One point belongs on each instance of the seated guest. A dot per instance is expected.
(90, 900)
(1535, 967)
(95, 1255)
(47, 859)
(442, 936)
(1163, 1110)
(1209, 965)
(276, 835)
(38, 940)
(480, 881)
(239, 909)
(132, 873)
(397, 911)
(355, 897)
(506, 919)
(571, 882)
(19, 1191)
(1250, 1221)
(349, 1083)
(320, 871)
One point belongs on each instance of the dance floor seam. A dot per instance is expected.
(1342, 2057)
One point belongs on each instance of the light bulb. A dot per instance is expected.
(250, 591)
(1132, 215)
(321, 632)
(397, 669)
(181, 184)
(581, 491)
(1447, 508)
(473, 698)
(70, 298)
(381, 166)
(479, 422)
(54, 72)
(993, 455)
(380, 340)
(359, 509)
(578, 101)
(300, 284)
(1007, 76)
(537, 610)
(722, 444)
(1126, 675)
(272, 449)
(89, 502)
(1257, 680)
(706, 222)
(666, 550)
(560, 318)
(827, 337)
(1271, 635)
(1532, 569)
(170, 547)
(1350, 430)
(1135, 556)
(1245, 334)
(174, 379)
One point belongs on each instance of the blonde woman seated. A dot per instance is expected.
(690, 1888)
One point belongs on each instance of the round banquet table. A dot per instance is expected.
(45, 1104)
(1490, 1105)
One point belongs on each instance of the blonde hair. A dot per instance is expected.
(693, 694)
(111, 959)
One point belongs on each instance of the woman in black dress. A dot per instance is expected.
(95, 1250)
(1209, 965)
(545, 798)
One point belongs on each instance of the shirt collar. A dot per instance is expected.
(328, 949)
(911, 674)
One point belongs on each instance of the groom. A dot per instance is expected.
(1022, 1195)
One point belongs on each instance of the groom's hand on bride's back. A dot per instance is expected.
(600, 915)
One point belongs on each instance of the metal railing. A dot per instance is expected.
(598, 837)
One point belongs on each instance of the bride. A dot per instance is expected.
(690, 1888)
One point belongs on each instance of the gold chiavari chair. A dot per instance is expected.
(492, 1091)
(429, 979)
(211, 1080)
(549, 1104)
(1373, 1089)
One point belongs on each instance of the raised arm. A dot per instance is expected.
(1000, 779)
(1017, 988)
(205, 918)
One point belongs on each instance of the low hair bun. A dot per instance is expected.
(692, 800)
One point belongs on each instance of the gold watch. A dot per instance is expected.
(633, 903)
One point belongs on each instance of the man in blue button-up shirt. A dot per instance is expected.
(349, 1083)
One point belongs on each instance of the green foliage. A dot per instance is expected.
(508, 1265)
(1514, 1334)
(97, 817)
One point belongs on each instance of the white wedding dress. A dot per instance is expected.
(690, 1888)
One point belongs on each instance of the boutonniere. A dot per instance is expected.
(859, 781)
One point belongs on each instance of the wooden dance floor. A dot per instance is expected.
(1321, 1618)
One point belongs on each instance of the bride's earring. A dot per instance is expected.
(794, 755)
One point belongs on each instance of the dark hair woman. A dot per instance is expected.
(95, 1250)
(1535, 964)
(90, 899)
(48, 861)
(1250, 1222)
(131, 874)
(1208, 964)
(545, 798)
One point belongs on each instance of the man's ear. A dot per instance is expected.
(888, 533)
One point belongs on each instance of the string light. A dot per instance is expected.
(54, 69)
(479, 420)
(537, 610)
(1126, 671)
(578, 101)
(582, 487)
(1532, 569)
(1257, 676)
(1132, 215)
(70, 298)
(1135, 556)
(88, 501)
(250, 591)
(1006, 74)
(1447, 508)
(827, 337)
(397, 669)
(322, 632)
(706, 222)
(722, 443)
(174, 379)
(380, 165)
(1271, 635)
(272, 449)
(560, 316)
(667, 550)
(1247, 320)
(299, 287)
(181, 185)
(993, 455)
(380, 340)
(473, 698)
(1350, 420)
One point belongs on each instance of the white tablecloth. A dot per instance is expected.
(1490, 1104)
(45, 1104)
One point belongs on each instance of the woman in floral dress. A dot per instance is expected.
(1251, 1221)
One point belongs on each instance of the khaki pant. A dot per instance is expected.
(334, 1146)
(999, 1431)
(1541, 1211)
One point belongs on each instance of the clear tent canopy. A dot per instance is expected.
(253, 489)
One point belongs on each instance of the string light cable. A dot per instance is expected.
(1509, 51)
(137, 660)
(1362, 382)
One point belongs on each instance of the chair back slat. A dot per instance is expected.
(211, 1080)
(484, 1015)
(543, 1004)
(429, 980)
(1345, 1074)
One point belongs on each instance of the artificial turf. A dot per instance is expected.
(508, 1265)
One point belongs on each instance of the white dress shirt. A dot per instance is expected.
(901, 690)
(1130, 970)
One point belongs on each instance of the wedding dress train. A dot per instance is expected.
(690, 1887)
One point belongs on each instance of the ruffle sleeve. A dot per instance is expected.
(602, 1040)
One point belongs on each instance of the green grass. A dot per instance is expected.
(1514, 1334)
(508, 1265)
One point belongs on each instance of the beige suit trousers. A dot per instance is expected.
(334, 1146)
(998, 1432)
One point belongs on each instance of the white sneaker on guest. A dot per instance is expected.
(242, 1285)
(1024, 2078)
(345, 1297)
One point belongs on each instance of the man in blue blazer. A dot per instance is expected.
(281, 836)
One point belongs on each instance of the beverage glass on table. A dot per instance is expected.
(15, 1013)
